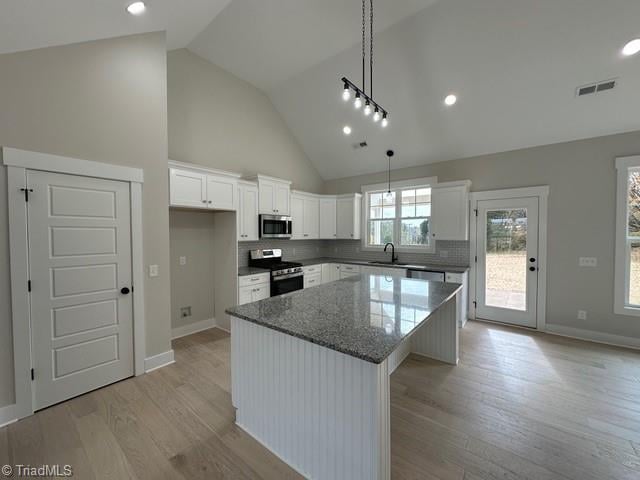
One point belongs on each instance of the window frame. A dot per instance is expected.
(624, 166)
(397, 187)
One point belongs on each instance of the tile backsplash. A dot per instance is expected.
(447, 252)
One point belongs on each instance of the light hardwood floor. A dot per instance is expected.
(519, 405)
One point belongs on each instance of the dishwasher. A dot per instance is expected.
(434, 275)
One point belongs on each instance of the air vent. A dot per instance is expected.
(598, 87)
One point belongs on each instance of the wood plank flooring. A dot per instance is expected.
(520, 405)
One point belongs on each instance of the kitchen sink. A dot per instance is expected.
(389, 263)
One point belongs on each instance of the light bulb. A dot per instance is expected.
(389, 196)
(367, 108)
(346, 94)
(631, 48)
(357, 102)
(384, 122)
(136, 8)
(346, 130)
(450, 100)
(376, 115)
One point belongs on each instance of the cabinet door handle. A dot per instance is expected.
(210, 201)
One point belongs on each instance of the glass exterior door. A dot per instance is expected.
(507, 267)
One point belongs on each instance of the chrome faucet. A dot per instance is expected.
(394, 259)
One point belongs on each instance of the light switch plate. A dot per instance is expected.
(183, 260)
(582, 315)
(588, 262)
(154, 270)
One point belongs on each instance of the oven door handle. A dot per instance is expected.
(286, 277)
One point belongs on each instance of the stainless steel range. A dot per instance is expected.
(285, 276)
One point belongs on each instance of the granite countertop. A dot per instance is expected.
(365, 316)
(412, 266)
(245, 271)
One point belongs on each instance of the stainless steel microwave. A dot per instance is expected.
(275, 226)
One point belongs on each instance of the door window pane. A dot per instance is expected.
(633, 200)
(506, 259)
(634, 275)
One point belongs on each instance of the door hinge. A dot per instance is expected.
(476, 259)
(476, 210)
(26, 193)
(33, 374)
(29, 285)
(475, 304)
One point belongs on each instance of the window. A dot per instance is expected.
(627, 281)
(402, 216)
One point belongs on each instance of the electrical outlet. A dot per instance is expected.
(588, 261)
(444, 254)
(185, 312)
(183, 260)
(582, 315)
(154, 270)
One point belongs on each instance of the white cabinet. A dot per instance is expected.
(274, 195)
(191, 186)
(252, 288)
(304, 216)
(312, 275)
(349, 270)
(187, 188)
(348, 220)
(386, 271)
(463, 299)
(327, 212)
(330, 272)
(247, 211)
(450, 211)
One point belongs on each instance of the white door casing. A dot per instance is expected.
(79, 232)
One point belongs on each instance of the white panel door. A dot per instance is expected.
(187, 189)
(311, 218)
(80, 271)
(507, 266)
(327, 218)
(297, 217)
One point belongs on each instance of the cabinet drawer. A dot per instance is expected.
(350, 268)
(312, 269)
(312, 280)
(253, 279)
(261, 292)
(454, 278)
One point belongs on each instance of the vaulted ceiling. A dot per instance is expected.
(514, 65)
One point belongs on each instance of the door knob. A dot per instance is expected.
(124, 290)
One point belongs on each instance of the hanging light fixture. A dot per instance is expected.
(389, 195)
(370, 105)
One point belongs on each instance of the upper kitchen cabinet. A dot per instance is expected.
(247, 211)
(348, 220)
(450, 210)
(327, 213)
(192, 186)
(305, 209)
(274, 195)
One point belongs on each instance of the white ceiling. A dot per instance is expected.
(28, 24)
(514, 65)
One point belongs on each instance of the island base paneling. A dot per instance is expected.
(324, 413)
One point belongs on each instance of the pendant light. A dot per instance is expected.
(361, 97)
(389, 195)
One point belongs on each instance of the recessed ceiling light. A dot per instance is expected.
(632, 47)
(136, 8)
(346, 130)
(450, 100)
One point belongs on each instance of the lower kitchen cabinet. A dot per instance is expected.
(252, 288)
(330, 272)
(463, 299)
(347, 270)
(312, 275)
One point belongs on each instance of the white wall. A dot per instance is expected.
(582, 181)
(192, 235)
(221, 121)
(103, 101)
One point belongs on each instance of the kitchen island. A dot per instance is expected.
(310, 369)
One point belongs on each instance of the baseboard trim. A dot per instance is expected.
(192, 328)
(8, 415)
(593, 336)
(158, 361)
